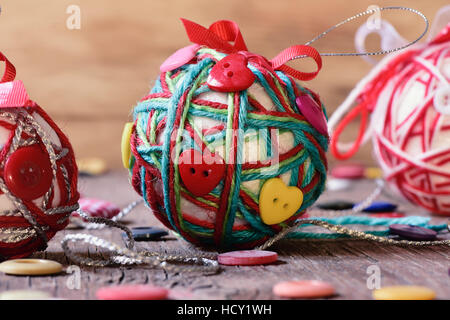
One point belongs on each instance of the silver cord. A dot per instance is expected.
(356, 16)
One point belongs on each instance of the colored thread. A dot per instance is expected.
(408, 131)
(168, 113)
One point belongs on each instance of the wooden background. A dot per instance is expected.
(89, 79)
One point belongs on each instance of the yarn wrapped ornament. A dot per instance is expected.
(408, 97)
(38, 173)
(228, 149)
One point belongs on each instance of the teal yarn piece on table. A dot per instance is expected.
(259, 133)
(364, 221)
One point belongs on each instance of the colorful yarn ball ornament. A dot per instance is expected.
(228, 149)
(38, 173)
(408, 97)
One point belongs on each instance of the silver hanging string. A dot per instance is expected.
(361, 14)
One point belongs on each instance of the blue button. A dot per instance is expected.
(146, 233)
(380, 206)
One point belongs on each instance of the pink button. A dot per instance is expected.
(98, 208)
(312, 112)
(303, 289)
(179, 58)
(132, 292)
(247, 257)
(348, 172)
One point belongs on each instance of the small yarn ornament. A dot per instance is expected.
(252, 135)
(408, 95)
(38, 173)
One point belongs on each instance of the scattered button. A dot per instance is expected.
(132, 292)
(338, 184)
(303, 289)
(404, 293)
(91, 166)
(348, 171)
(380, 206)
(231, 74)
(146, 233)
(373, 173)
(312, 111)
(24, 295)
(336, 205)
(28, 173)
(125, 144)
(98, 208)
(247, 257)
(30, 267)
(201, 173)
(278, 202)
(179, 58)
(411, 232)
(387, 215)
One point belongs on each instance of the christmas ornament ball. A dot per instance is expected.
(221, 151)
(38, 175)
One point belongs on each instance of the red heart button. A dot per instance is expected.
(200, 173)
(231, 74)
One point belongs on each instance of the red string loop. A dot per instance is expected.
(361, 109)
(10, 70)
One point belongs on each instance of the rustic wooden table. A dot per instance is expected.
(343, 263)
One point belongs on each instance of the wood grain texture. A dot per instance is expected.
(89, 79)
(343, 263)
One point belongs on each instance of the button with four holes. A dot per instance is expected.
(28, 173)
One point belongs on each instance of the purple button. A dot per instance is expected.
(411, 232)
(312, 112)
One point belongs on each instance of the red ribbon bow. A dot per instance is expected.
(219, 35)
(10, 71)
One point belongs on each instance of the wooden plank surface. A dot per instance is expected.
(89, 79)
(343, 263)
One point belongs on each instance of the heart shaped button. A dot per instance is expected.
(278, 202)
(179, 58)
(312, 112)
(125, 144)
(200, 173)
(231, 74)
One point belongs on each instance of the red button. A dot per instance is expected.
(247, 257)
(231, 74)
(201, 173)
(132, 292)
(387, 215)
(28, 173)
(303, 289)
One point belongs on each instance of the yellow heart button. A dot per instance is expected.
(125, 144)
(278, 202)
